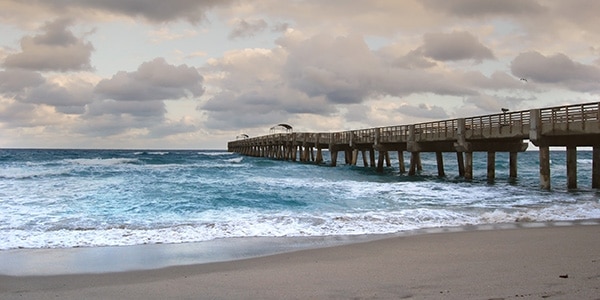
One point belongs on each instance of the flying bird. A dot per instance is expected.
(523, 79)
(504, 110)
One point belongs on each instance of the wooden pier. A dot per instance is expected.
(569, 126)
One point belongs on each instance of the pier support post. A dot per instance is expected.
(401, 162)
(415, 163)
(364, 156)
(571, 167)
(304, 157)
(319, 155)
(388, 162)
(461, 164)
(596, 167)
(469, 165)
(513, 164)
(380, 161)
(294, 147)
(544, 167)
(347, 156)
(334, 155)
(372, 157)
(354, 156)
(491, 166)
(440, 164)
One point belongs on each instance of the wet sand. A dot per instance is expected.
(552, 262)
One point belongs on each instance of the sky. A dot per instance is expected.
(195, 74)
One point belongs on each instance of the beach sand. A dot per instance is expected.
(553, 262)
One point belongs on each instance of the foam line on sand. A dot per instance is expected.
(556, 262)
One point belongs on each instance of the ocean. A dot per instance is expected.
(93, 198)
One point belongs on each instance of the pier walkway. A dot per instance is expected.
(569, 126)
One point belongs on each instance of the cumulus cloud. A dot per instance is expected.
(153, 80)
(136, 100)
(457, 45)
(152, 10)
(423, 111)
(14, 114)
(247, 28)
(15, 81)
(69, 99)
(168, 128)
(56, 49)
(556, 69)
(318, 75)
(252, 91)
(338, 68)
(148, 108)
(477, 8)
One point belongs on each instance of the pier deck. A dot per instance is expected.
(568, 126)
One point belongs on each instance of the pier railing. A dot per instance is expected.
(570, 126)
(573, 117)
(507, 125)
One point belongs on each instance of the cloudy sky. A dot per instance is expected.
(193, 74)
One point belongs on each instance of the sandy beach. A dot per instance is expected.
(554, 262)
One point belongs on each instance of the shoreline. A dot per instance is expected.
(96, 260)
(561, 261)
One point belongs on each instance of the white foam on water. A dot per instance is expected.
(215, 153)
(212, 225)
(101, 161)
(235, 160)
(150, 200)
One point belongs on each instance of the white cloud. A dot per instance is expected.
(56, 49)
(153, 80)
(87, 72)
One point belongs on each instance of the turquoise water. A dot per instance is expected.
(87, 198)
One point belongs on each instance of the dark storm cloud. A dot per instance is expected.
(153, 80)
(55, 49)
(458, 45)
(245, 28)
(478, 8)
(556, 69)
